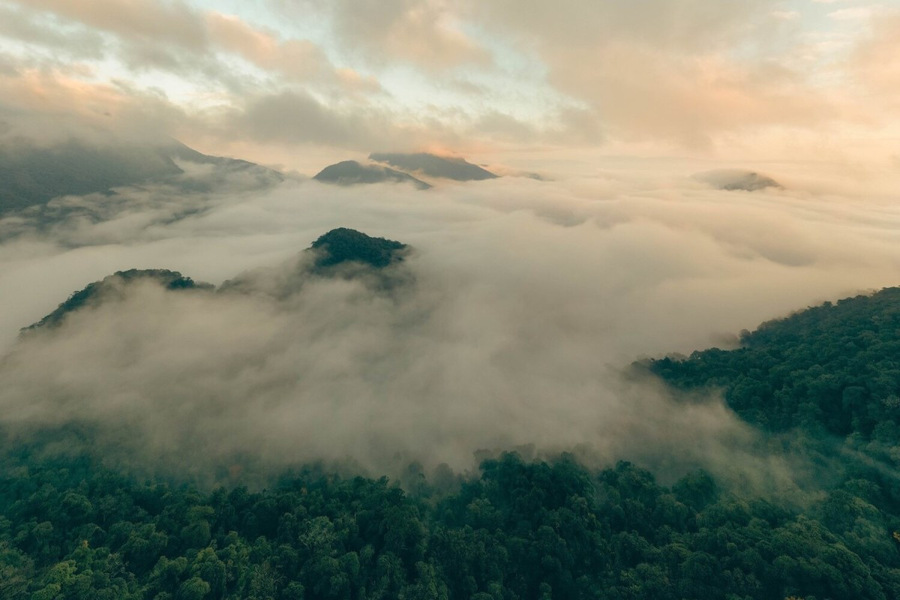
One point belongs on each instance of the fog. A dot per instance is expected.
(522, 304)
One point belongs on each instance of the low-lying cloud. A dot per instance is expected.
(522, 302)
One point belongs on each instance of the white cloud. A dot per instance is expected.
(786, 15)
(527, 298)
(858, 13)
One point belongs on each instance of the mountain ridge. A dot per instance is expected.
(32, 175)
(433, 165)
(331, 253)
(351, 172)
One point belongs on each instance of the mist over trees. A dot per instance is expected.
(831, 370)
(520, 529)
(819, 383)
(447, 418)
(533, 373)
(97, 292)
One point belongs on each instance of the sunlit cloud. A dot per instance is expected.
(686, 77)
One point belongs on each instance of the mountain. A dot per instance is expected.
(833, 369)
(341, 252)
(350, 172)
(343, 245)
(224, 169)
(112, 286)
(432, 165)
(738, 180)
(33, 175)
(821, 386)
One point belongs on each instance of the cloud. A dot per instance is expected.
(503, 126)
(425, 33)
(787, 15)
(80, 42)
(175, 40)
(686, 72)
(296, 117)
(857, 13)
(872, 62)
(524, 300)
(50, 106)
(707, 78)
(677, 25)
(299, 60)
(144, 20)
(299, 118)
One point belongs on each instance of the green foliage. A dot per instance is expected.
(834, 368)
(110, 286)
(343, 245)
(70, 528)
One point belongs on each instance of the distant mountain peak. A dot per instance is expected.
(342, 252)
(433, 165)
(344, 245)
(738, 180)
(351, 172)
(97, 291)
(32, 175)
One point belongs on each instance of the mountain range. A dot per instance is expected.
(350, 172)
(732, 180)
(819, 388)
(433, 165)
(33, 175)
(409, 169)
(341, 252)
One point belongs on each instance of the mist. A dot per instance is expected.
(522, 304)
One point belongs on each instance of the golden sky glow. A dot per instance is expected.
(282, 81)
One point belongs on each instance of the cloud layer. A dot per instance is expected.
(523, 302)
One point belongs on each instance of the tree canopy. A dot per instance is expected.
(72, 526)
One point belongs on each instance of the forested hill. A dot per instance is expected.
(94, 293)
(32, 175)
(834, 368)
(72, 526)
(344, 245)
(331, 252)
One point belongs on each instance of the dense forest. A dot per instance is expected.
(831, 370)
(823, 383)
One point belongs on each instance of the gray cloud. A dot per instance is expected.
(297, 117)
(79, 42)
(423, 33)
(168, 22)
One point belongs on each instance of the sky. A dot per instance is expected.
(293, 83)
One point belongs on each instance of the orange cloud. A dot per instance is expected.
(425, 33)
(51, 106)
(876, 60)
(297, 59)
